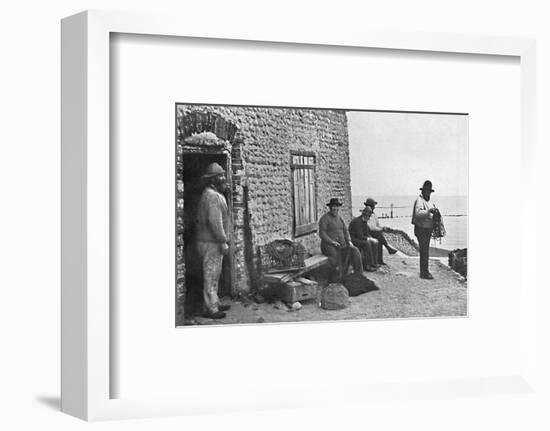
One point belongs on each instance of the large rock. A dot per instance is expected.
(458, 260)
(334, 297)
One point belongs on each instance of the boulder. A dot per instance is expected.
(334, 297)
(458, 261)
(296, 306)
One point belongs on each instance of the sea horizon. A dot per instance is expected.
(454, 210)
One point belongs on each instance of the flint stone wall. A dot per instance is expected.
(262, 190)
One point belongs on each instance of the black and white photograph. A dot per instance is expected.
(275, 215)
(290, 214)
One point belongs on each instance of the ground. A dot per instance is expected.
(402, 294)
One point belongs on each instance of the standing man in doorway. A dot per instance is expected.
(376, 232)
(422, 218)
(212, 237)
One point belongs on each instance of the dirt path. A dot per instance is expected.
(402, 294)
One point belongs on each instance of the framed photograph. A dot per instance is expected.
(288, 193)
(258, 204)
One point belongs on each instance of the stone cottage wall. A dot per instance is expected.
(263, 189)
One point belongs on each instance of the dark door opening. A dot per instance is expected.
(194, 165)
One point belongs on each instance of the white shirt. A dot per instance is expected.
(373, 223)
(421, 216)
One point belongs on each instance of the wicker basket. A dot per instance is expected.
(282, 255)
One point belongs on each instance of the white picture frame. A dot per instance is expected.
(86, 313)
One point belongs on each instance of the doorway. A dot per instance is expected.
(194, 165)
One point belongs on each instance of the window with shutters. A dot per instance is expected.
(302, 166)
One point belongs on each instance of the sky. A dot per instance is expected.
(392, 154)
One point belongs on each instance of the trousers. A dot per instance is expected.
(423, 235)
(339, 258)
(369, 251)
(375, 252)
(379, 236)
(212, 259)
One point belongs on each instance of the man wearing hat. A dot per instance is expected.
(422, 218)
(336, 242)
(212, 237)
(377, 233)
(360, 236)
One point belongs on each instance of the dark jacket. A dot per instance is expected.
(359, 232)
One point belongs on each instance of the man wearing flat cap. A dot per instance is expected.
(422, 219)
(376, 232)
(336, 242)
(212, 237)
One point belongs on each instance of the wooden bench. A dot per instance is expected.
(311, 263)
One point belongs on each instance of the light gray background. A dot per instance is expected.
(29, 175)
(392, 153)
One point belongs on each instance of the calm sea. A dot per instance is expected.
(453, 208)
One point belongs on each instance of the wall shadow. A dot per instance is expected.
(51, 401)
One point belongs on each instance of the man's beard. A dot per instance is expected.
(221, 186)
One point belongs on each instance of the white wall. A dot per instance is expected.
(30, 184)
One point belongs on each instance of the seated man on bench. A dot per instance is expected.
(361, 238)
(336, 243)
(376, 231)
